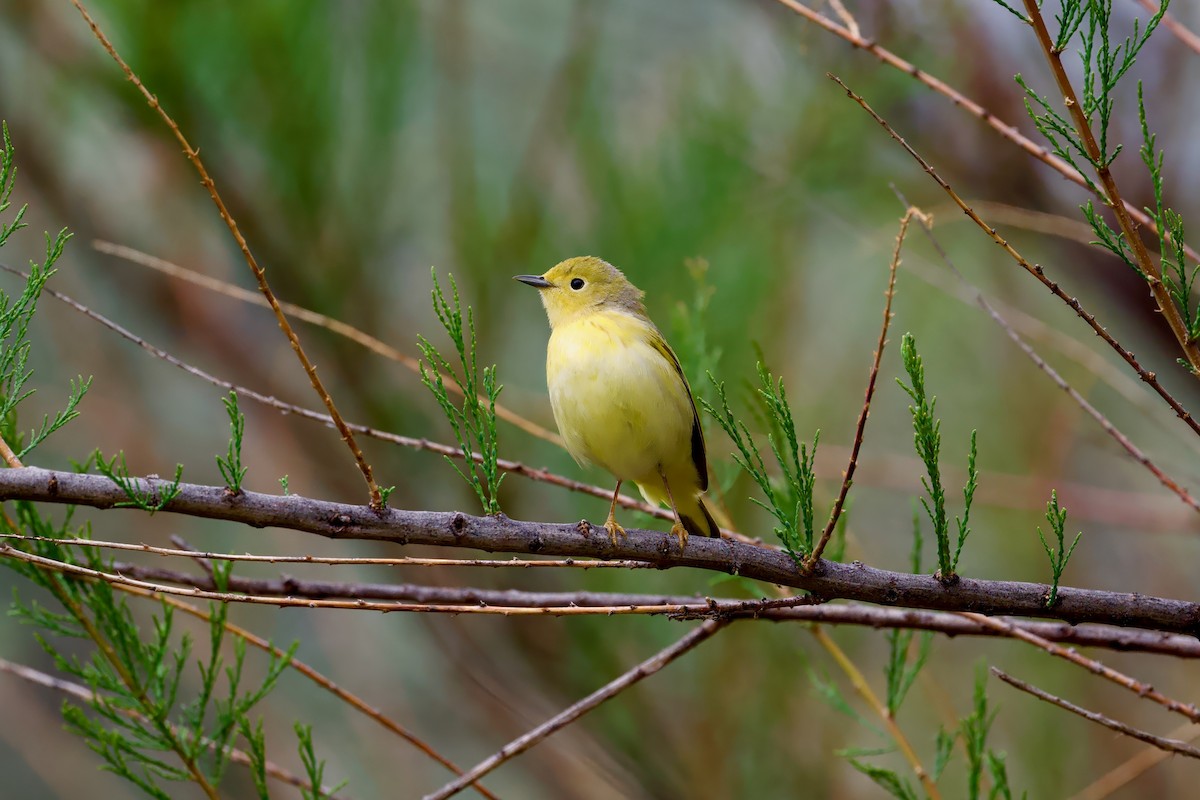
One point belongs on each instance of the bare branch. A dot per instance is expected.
(861, 426)
(1039, 273)
(830, 580)
(514, 467)
(958, 99)
(1011, 332)
(677, 607)
(1121, 679)
(1170, 745)
(1134, 766)
(574, 712)
(337, 560)
(1033, 269)
(260, 275)
(321, 320)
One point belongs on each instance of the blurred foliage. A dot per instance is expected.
(360, 143)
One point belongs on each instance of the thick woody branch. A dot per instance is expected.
(829, 580)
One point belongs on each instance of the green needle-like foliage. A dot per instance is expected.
(1179, 277)
(899, 671)
(141, 492)
(8, 180)
(1105, 62)
(149, 723)
(887, 779)
(1056, 515)
(474, 424)
(927, 438)
(231, 463)
(788, 499)
(15, 316)
(314, 768)
(974, 729)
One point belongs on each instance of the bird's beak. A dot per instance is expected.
(536, 281)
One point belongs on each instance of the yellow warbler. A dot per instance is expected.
(620, 398)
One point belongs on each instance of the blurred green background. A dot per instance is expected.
(360, 143)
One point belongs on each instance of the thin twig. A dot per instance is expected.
(1006, 131)
(855, 581)
(866, 693)
(1121, 679)
(283, 600)
(1050, 372)
(577, 710)
(1038, 272)
(1134, 766)
(1112, 194)
(1169, 745)
(9, 456)
(515, 467)
(260, 276)
(1033, 327)
(861, 427)
(586, 563)
(338, 327)
(675, 607)
(86, 695)
(1035, 270)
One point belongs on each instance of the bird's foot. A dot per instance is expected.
(584, 527)
(681, 532)
(614, 530)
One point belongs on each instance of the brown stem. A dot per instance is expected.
(500, 534)
(1039, 273)
(1169, 745)
(1134, 766)
(577, 710)
(864, 690)
(1006, 131)
(260, 275)
(335, 326)
(1112, 198)
(1092, 665)
(787, 608)
(861, 427)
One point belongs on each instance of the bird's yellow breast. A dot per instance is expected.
(618, 401)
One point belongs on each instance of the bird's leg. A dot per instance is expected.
(677, 528)
(611, 525)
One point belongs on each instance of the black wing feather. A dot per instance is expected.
(699, 456)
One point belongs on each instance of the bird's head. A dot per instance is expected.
(584, 285)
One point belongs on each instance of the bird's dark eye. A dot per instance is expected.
(577, 283)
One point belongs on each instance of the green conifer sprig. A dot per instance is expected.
(474, 423)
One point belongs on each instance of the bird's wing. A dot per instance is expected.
(699, 458)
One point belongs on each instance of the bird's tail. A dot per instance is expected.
(697, 519)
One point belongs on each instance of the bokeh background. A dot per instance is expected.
(361, 143)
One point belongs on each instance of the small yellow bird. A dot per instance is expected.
(619, 396)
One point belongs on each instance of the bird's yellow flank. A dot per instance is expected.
(620, 398)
